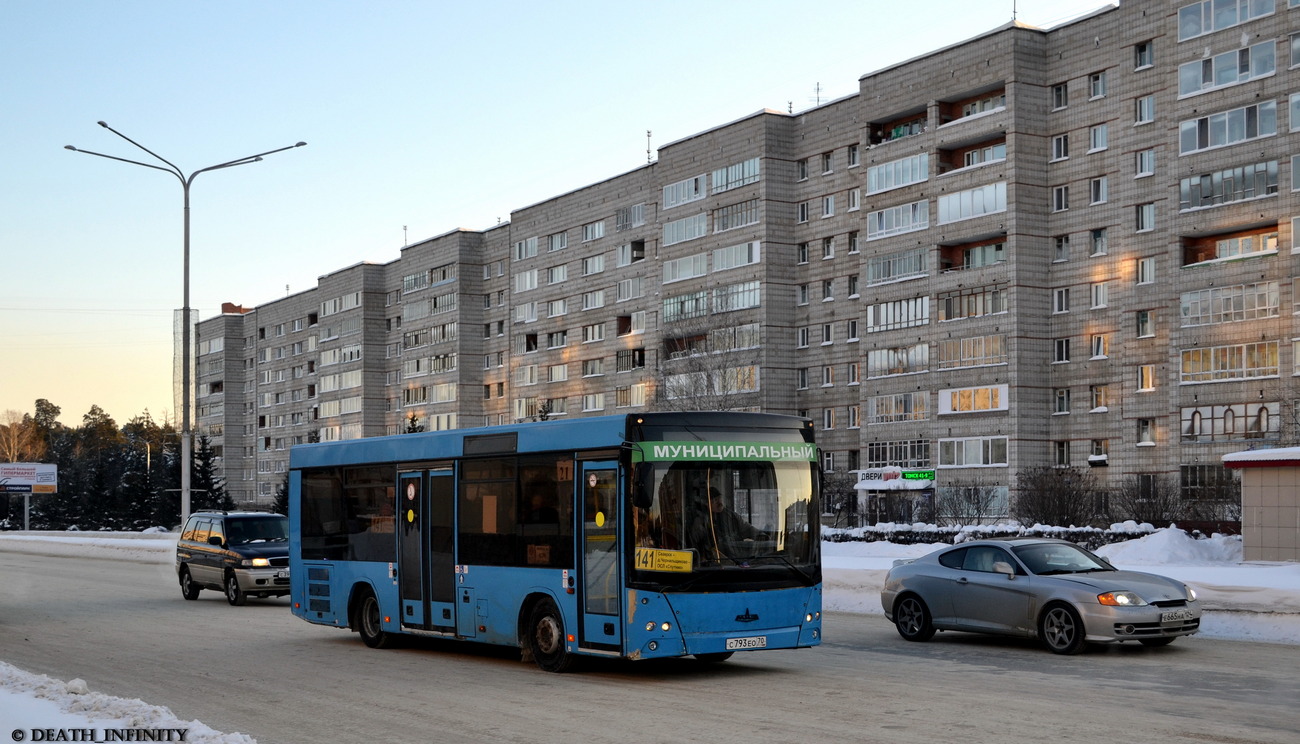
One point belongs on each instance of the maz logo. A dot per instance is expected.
(748, 617)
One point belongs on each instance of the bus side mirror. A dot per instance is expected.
(641, 496)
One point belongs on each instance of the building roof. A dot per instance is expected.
(1279, 456)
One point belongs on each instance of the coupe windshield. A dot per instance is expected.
(1058, 558)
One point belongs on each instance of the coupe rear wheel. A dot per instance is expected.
(546, 638)
(1155, 642)
(234, 595)
(1061, 630)
(368, 622)
(912, 618)
(189, 589)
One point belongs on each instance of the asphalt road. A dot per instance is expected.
(123, 627)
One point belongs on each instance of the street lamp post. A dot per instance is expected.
(186, 360)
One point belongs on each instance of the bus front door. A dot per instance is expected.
(425, 572)
(599, 626)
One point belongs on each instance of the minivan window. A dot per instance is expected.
(201, 530)
(216, 528)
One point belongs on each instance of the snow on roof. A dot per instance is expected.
(1289, 455)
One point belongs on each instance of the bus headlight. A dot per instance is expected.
(650, 625)
(666, 627)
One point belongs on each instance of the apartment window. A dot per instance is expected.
(828, 376)
(1146, 377)
(683, 192)
(1230, 304)
(1060, 96)
(853, 155)
(1146, 432)
(1144, 55)
(593, 367)
(854, 373)
(1145, 323)
(971, 203)
(1100, 294)
(972, 302)
(593, 231)
(1061, 300)
(973, 351)
(680, 231)
(735, 176)
(801, 253)
(1061, 453)
(828, 248)
(1061, 400)
(1061, 350)
(1228, 68)
(557, 242)
(1099, 397)
(896, 266)
(898, 173)
(828, 334)
(854, 246)
(687, 267)
(987, 154)
(973, 452)
(1145, 163)
(595, 332)
(628, 254)
(851, 330)
(1145, 272)
(1145, 217)
(1097, 190)
(556, 308)
(557, 274)
(888, 316)
(1232, 362)
(828, 290)
(1100, 343)
(973, 400)
(630, 289)
(901, 360)
(1061, 248)
(1098, 242)
(1230, 185)
(801, 295)
(801, 378)
(897, 220)
(629, 217)
(1230, 127)
(1060, 198)
(1060, 147)
(735, 215)
(1097, 84)
(1295, 50)
(888, 409)
(854, 200)
(801, 170)
(1098, 136)
(801, 212)
(827, 162)
(1144, 109)
(1207, 16)
(801, 338)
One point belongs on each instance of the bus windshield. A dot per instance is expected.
(725, 516)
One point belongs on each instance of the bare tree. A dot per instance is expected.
(1148, 498)
(964, 503)
(706, 368)
(20, 439)
(840, 498)
(1061, 497)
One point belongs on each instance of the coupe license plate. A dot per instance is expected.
(740, 644)
(1175, 616)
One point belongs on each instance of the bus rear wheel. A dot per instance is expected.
(368, 623)
(546, 639)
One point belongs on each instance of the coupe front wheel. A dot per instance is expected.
(1061, 630)
(912, 618)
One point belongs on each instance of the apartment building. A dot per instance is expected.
(1063, 247)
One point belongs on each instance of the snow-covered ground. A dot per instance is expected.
(1243, 601)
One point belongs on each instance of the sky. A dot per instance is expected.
(420, 118)
(1265, 598)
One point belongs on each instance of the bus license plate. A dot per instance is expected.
(740, 644)
(1175, 616)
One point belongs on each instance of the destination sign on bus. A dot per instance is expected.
(673, 561)
(725, 451)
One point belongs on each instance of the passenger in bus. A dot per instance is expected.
(718, 532)
(541, 503)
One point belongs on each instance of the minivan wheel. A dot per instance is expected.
(234, 595)
(189, 589)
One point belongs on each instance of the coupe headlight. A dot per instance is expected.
(1121, 599)
(256, 562)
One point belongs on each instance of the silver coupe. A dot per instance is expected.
(1041, 588)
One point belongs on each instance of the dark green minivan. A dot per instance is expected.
(240, 553)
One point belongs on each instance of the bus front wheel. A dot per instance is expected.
(368, 623)
(546, 639)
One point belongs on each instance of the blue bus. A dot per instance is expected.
(637, 537)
